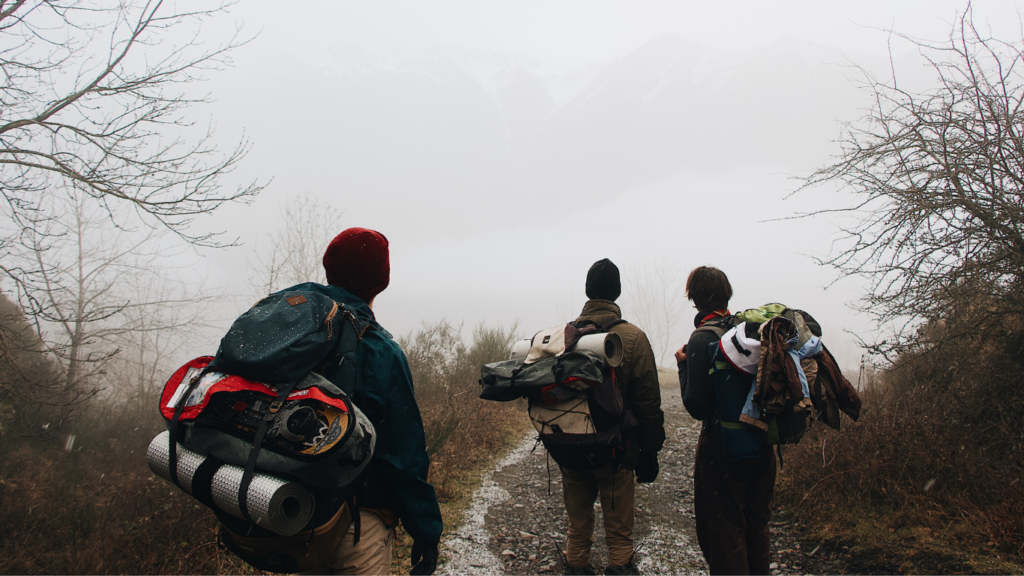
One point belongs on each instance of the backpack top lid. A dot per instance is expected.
(741, 352)
(284, 336)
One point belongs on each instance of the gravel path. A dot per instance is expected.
(516, 523)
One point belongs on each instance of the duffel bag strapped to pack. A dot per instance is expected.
(552, 364)
(316, 435)
(568, 376)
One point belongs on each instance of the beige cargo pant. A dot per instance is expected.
(580, 490)
(372, 555)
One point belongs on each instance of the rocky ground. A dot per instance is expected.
(516, 523)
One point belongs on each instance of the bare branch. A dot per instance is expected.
(939, 181)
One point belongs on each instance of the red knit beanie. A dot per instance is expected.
(357, 260)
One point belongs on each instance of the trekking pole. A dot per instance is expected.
(558, 550)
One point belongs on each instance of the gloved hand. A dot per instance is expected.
(424, 558)
(647, 467)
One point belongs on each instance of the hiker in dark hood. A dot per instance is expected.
(394, 487)
(638, 378)
(732, 500)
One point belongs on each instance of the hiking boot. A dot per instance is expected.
(586, 569)
(627, 568)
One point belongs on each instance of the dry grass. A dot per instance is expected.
(89, 512)
(465, 435)
(930, 478)
(98, 509)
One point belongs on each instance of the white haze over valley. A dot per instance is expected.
(503, 149)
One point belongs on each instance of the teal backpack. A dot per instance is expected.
(288, 335)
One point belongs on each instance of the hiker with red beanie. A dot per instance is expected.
(394, 487)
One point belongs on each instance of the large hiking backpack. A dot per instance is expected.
(275, 402)
(568, 377)
(734, 356)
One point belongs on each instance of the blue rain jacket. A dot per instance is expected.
(397, 475)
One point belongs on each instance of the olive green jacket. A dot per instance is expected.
(638, 373)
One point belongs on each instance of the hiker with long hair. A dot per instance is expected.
(732, 500)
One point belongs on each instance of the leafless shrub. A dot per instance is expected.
(461, 429)
(297, 246)
(938, 446)
(655, 301)
(939, 181)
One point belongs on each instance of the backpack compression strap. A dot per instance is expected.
(250, 466)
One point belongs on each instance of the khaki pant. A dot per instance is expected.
(580, 490)
(733, 504)
(372, 555)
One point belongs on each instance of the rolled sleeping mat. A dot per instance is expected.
(608, 346)
(277, 505)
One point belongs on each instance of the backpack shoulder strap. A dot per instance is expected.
(718, 326)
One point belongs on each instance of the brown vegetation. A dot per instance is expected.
(934, 467)
(90, 505)
(464, 433)
(933, 470)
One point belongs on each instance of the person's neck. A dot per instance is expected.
(708, 315)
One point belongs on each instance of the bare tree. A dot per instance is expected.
(939, 181)
(95, 287)
(31, 392)
(163, 335)
(92, 99)
(297, 246)
(655, 303)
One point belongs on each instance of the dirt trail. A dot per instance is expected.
(516, 523)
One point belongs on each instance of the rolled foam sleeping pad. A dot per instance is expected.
(278, 505)
(608, 346)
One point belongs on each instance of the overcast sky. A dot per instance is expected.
(504, 147)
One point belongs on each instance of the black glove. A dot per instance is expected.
(647, 467)
(424, 558)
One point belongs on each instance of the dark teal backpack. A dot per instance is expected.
(288, 335)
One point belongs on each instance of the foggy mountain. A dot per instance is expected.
(458, 126)
(466, 157)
